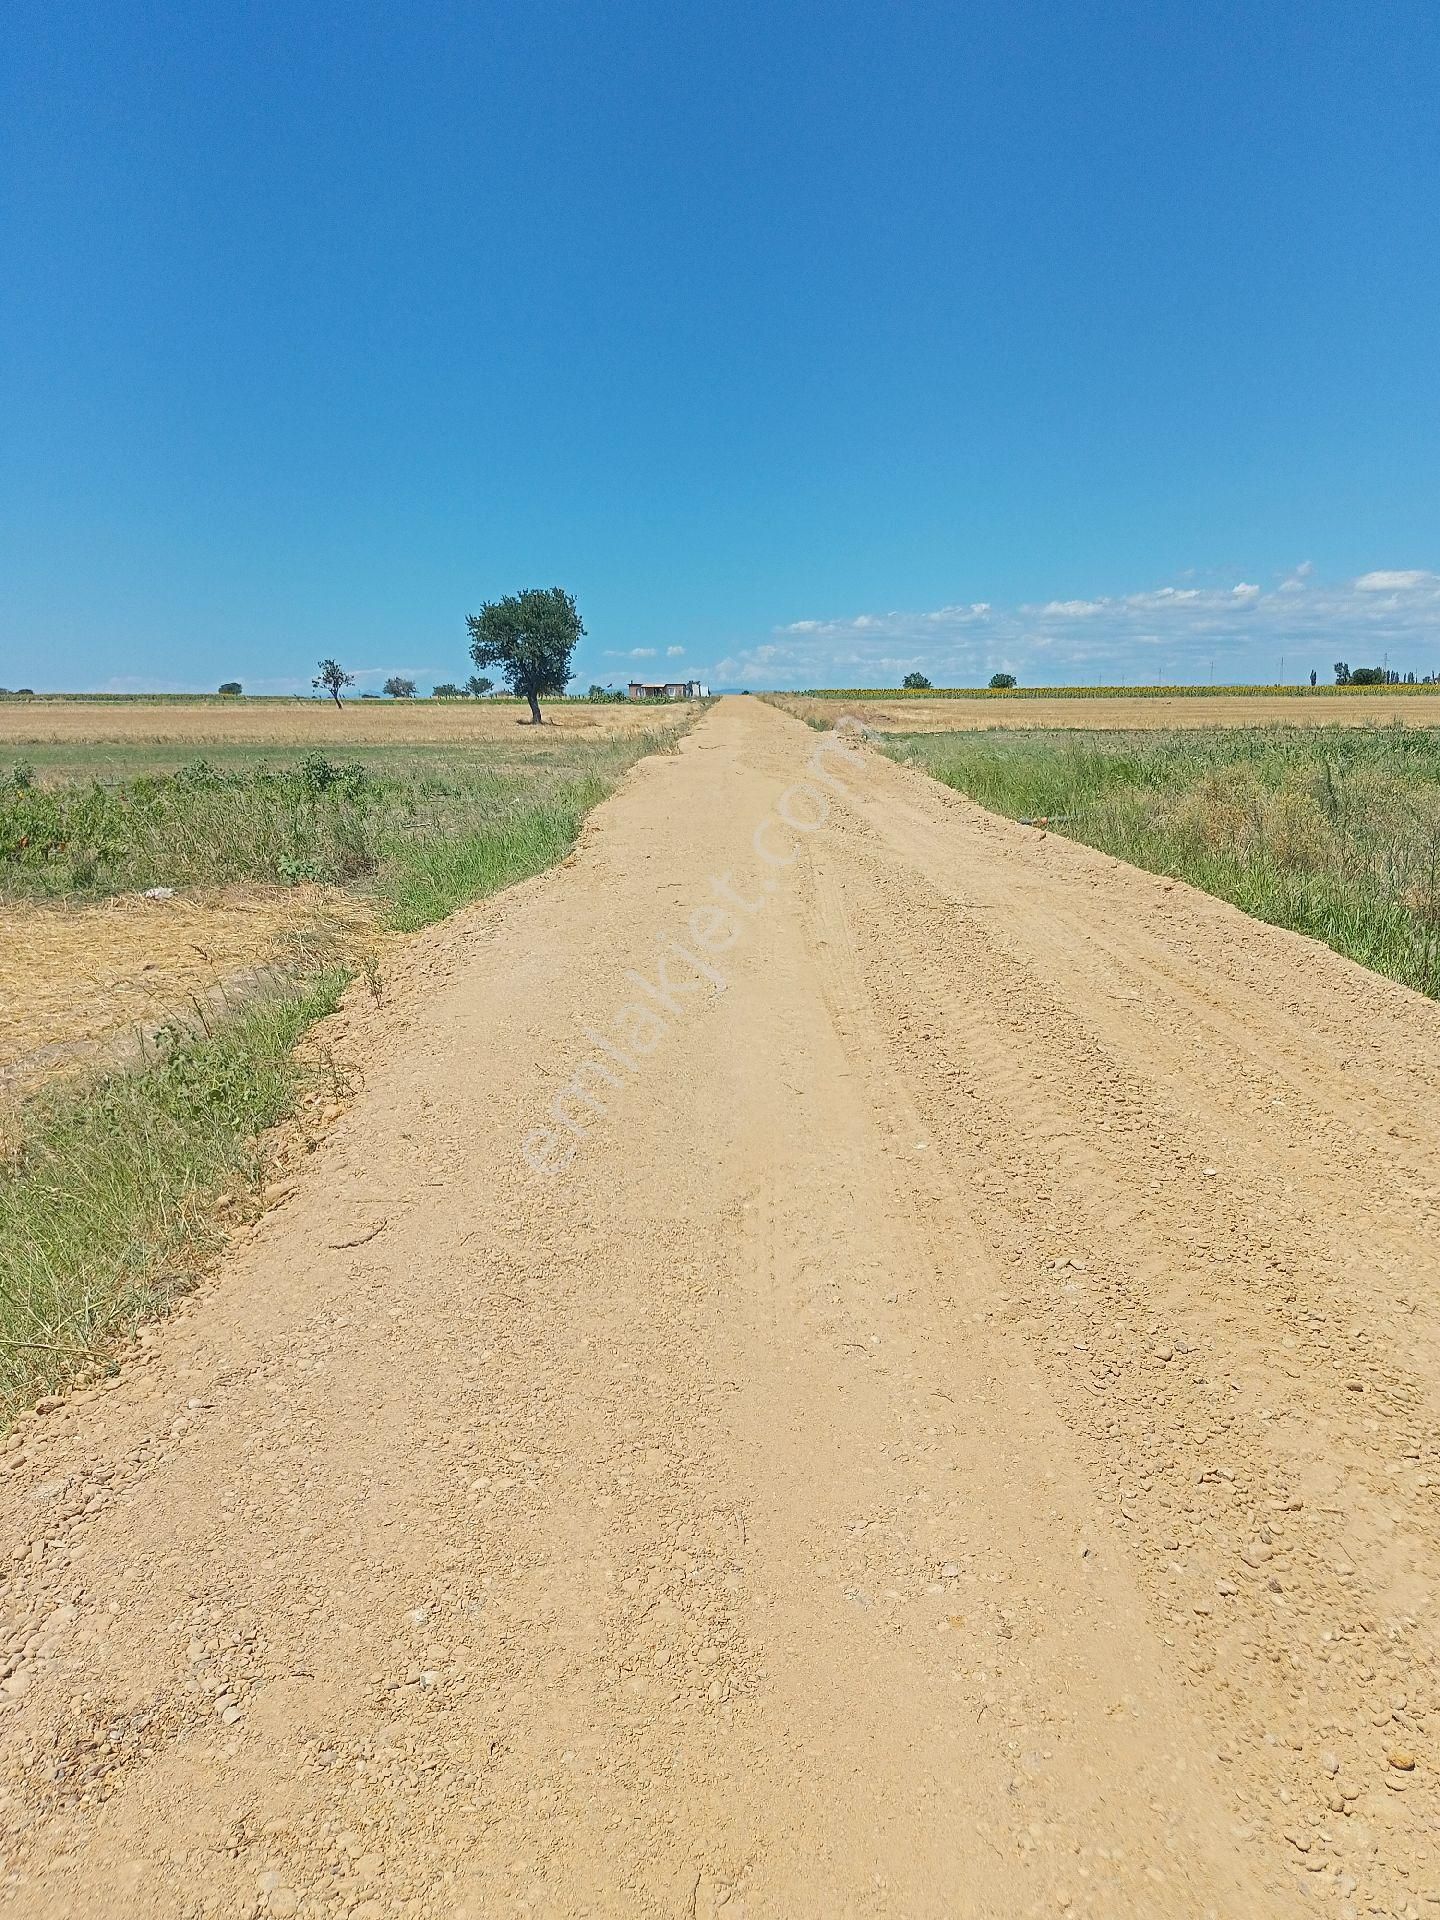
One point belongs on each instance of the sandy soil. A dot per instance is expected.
(958, 1438)
(319, 723)
(1259, 710)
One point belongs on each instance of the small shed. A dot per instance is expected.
(667, 690)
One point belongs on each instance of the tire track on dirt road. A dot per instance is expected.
(879, 1474)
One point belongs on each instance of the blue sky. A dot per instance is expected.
(804, 344)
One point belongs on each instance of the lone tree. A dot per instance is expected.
(446, 690)
(915, 683)
(478, 685)
(399, 688)
(333, 678)
(999, 681)
(1342, 674)
(230, 687)
(530, 637)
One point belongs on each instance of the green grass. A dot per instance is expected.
(105, 1203)
(435, 874)
(422, 830)
(1334, 832)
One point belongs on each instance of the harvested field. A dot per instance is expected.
(946, 713)
(74, 976)
(299, 724)
(945, 1427)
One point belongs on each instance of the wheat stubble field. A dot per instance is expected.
(958, 1436)
(156, 729)
(949, 712)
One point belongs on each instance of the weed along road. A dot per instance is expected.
(849, 1358)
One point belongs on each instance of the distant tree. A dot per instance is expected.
(1367, 677)
(232, 687)
(530, 637)
(447, 690)
(1312, 676)
(333, 678)
(1001, 680)
(478, 685)
(915, 683)
(399, 688)
(1342, 674)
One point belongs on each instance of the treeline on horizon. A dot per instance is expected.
(1168, 691)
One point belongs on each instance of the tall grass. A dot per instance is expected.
(1334, 832)
(105, 1194)
(440, 871)
(421, 834)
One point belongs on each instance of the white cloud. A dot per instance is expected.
(1159, 597)
(1237, 630)
(1398, 582)
(673, 653)
(634, 653)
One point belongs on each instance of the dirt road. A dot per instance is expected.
(955, 1435)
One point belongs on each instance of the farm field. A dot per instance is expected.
(76, 978)
(946, 713)
(926, 1406)
(65, 736)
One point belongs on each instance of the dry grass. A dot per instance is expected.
(947, 714)
(299, 724)
(73, 976)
